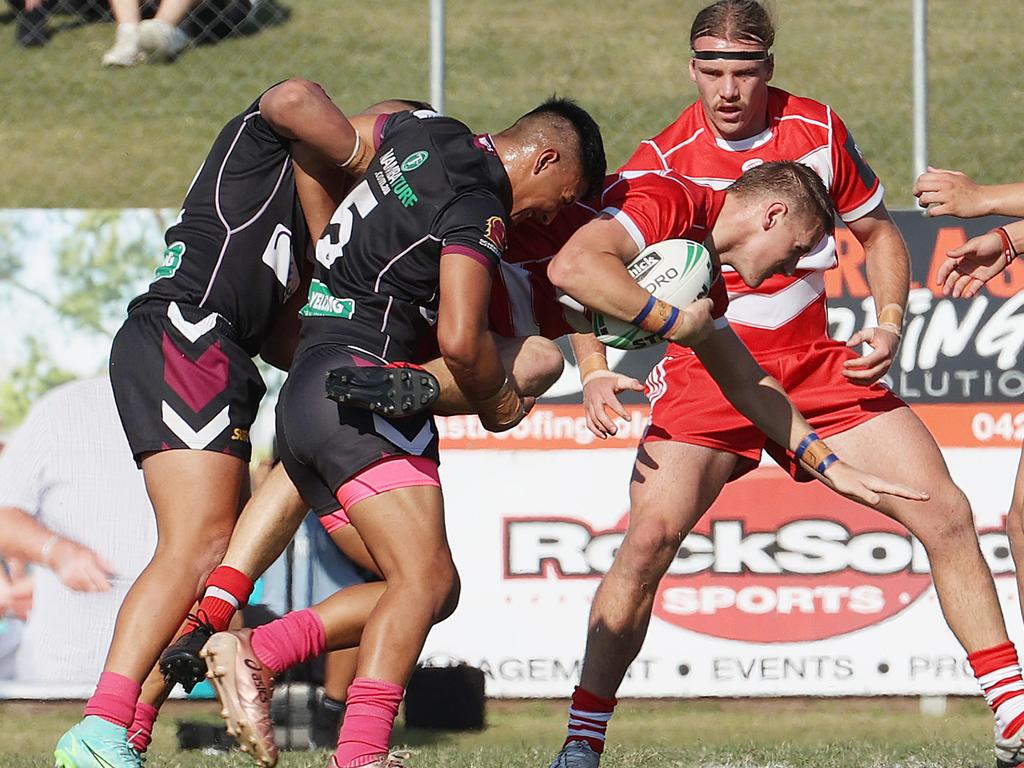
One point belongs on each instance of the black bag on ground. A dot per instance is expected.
(447, 698)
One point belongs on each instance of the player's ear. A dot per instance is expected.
(693, 69)
(774, 213)
(770, 67)
(545, 160)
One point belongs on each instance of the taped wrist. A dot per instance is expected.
(1009, 252)
(503, 408)
(659, 317)
(813, 452)
(891, 319)
(593, 363)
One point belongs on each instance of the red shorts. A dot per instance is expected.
(688, 407)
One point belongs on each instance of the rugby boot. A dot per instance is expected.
(394, 390)
(95, 743)
(245, 688)
(577, 754)
(180, 662)
(1009, 751)
(396, 759)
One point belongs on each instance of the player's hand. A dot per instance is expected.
(79, 568)
(15, 590)
(600, 395)
(950, 193)
(868, 369)
(697, 324)
(970, 266)
(865, 487)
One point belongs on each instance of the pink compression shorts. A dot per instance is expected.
(385, 475)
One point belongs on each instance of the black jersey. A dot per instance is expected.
(433, 187)
(241, 234)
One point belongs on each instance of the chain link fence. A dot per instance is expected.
(81, 134)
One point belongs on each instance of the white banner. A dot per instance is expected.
(845, 591)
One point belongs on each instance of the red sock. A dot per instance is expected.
(114, 699)
(227, 591)
(140, 733)
(370, 712)
(294, 637)
(999, 675)
(588, 718)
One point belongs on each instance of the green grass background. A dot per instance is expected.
(866, 733)
(76, 135)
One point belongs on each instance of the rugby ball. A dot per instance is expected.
(675, 271)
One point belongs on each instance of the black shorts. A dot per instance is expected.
(324, 444)
(181, 381)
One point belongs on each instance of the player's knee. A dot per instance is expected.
(540, 368)
(651, 545)
(954, 528)
(1015, 532)
(451, 601)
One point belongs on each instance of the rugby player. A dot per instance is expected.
(739, 122)
(963, 273)
(186, 387)
(667, 206)
(416, 239)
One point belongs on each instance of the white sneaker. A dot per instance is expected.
(125, 51)
(577, 754)
(1009, 752)
(160, 41)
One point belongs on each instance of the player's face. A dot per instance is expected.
(552, 186)
(776, 243)
(734, 94)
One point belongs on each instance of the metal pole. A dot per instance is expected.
(437, 54)
(920, 87)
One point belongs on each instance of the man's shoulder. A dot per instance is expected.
(784, 106)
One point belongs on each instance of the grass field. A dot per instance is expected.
(720, 734)
(76, 135)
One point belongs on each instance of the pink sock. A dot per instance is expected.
(295, 637)
(370, 712)
(114, 699)
(140, 734)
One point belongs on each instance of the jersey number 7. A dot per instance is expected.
(330, 247)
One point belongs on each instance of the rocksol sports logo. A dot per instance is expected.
(772, 562)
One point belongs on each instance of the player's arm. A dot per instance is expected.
(887, 263)
(601, 386)
(591, 267)
(954, 193)
(761, 399)
(467, 346)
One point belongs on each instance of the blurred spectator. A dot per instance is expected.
(73, 505)
(30, 21)
(176, 23)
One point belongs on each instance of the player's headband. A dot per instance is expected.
(731, 55)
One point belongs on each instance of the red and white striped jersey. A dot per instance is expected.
(651, 205)
(784, 311)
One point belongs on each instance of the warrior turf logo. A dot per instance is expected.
(415, 160)
(494, 238)
(323, 303)
(172, 260)
(767, 564)
(391, 179)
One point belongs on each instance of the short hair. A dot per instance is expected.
(741, 20)
(796, 183)
(561, 113)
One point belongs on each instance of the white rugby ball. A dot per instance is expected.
(676, 271)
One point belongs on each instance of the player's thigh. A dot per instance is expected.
(898, 447)
(195, 494)
(404, 532)
(673, 484)
(351, 544)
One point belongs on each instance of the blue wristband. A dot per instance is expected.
(827, 462)
(805, 444)
(673, 316)
(644, 312)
